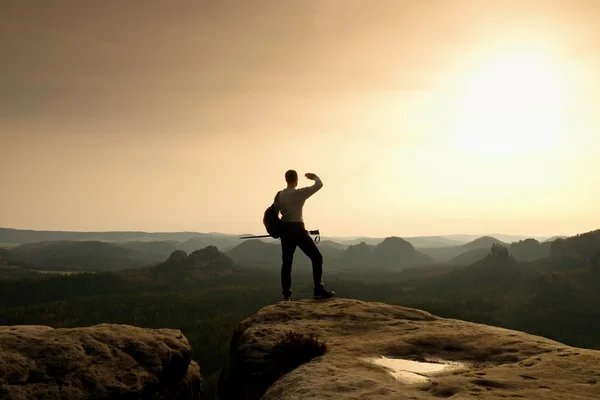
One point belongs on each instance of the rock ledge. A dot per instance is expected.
(104, 361)
(502, 363)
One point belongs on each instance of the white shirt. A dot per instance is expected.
(291, 201)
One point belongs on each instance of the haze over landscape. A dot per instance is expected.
(459, 223)
(421, 117)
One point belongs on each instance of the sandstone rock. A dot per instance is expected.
(206, 263)
(177, 255)
(209, 255)
(99, 362)
(499, 363)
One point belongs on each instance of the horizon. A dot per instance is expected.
(327, 237)
(147, 117)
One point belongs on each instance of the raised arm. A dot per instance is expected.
(306, 192)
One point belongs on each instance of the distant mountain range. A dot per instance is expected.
(76, 256)
(107, 251)
(445, 254)
(572, 267)
(442, 240)
(21, 236)
(392, 252)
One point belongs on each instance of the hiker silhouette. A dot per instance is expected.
(289, 202)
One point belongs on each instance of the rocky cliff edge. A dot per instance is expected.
(348, 349)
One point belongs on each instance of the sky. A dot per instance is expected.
(421, 117)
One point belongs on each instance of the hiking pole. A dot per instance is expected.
(255, 237)
(315, 232)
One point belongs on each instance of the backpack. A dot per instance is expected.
(271, 220)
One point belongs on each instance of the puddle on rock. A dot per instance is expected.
(410, 371)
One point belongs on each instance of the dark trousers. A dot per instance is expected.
(293, 234)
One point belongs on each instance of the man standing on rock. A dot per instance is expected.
(289, 203)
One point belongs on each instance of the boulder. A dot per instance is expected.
(105, 361)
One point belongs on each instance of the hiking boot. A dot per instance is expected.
(322, 293)
(287, 297)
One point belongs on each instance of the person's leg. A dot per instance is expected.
(288, 247)
(309, 247)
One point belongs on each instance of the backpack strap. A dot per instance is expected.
(275, 201)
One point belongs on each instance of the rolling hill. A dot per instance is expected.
(433, 241)
(22, 236)
(202, 264)
(584, 246)
(393, 253)
(154, 251)
(530, 249)
(397, 252)
(260, 253)
(201, 240)
(575, 268)
(255, 253)
(76, 256)
(470, 256)
(447, 254)
(332, 244)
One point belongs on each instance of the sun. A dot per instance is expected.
(512, 104)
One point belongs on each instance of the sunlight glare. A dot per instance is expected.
(513, 104)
